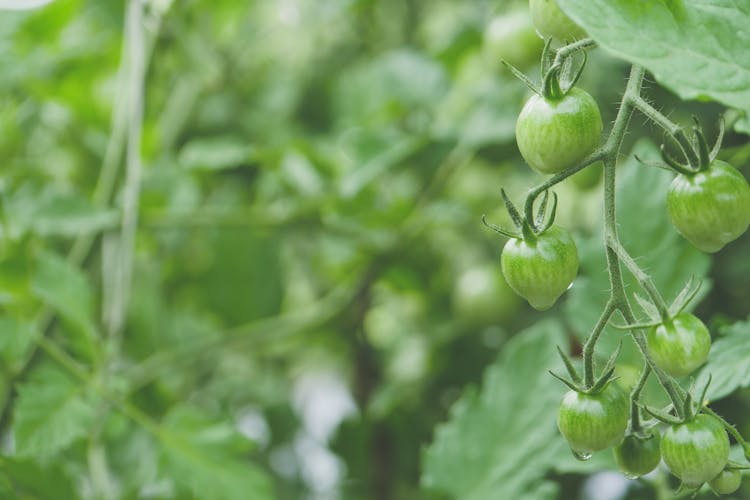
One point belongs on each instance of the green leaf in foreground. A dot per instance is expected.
(209, 459)
(52, 412)
(729, 362)
(696, 48)
(67, 290)
(501, 442)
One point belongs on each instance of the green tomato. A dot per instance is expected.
(589, 177)
(593, 422)
(512, 37)
(696, 451)
(481, 297)
(680, 346)
(554, 134)
(550, 21)
(541, 270)
(710, 208)
(727, 482)
(637, 456)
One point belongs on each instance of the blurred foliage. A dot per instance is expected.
(312, 289)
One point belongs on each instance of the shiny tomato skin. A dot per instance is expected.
(554, 134)
(680, 346)
(637, 456)
(696, 451)
(594, 422)
(710, 208)
(541, 270)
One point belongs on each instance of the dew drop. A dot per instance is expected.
(631, 476)
(582, 456)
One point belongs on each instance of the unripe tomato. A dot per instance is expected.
(710, 208)
(696, 451)
(554, 134)
(482, 297)
(727, 482)
(512, 37)
(550, 21)
(593, 422)
(680, 346)
(541, 270)
(589, 177)
(637, 456)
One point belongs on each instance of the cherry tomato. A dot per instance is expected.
(511, 37)
(541, 270)
(550, 21)
(482, 297)
(696, 451)
(727, 482)
(680, 346)
(593, 422)
(710, 208)
(637, 456)
(554, 134)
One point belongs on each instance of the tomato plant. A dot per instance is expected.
(696, 451)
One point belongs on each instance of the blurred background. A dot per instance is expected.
(285, 287)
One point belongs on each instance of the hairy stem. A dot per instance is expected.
(635, 394)
(588, 347)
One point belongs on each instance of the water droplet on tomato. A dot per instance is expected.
(582, 456)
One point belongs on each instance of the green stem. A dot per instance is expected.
(588, 347)
(572, 48)
(534, 193)
(643, 279)
(635, 394)
(671, 128)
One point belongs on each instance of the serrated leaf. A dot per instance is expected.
(67, 290)
(728, 362)
(696, 48)
(51, 413)
(497, 442)
(209, 460)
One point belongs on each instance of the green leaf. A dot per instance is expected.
(27, 479)
(698, 49)
(16, 339)
(500, 442)
(209, 459)
(728, 362)
(67, 290)
(52, 412)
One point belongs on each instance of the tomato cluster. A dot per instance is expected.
(708, 202)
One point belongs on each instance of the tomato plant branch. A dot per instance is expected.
(588, 347)
(643, 279)
(635, 394)
(572, 48)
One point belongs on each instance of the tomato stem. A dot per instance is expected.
(635, 412)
